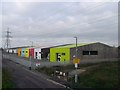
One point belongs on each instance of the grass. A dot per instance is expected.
(51, 70)
(104, 76)
(46, 70)
(67, 68)
(6, 79)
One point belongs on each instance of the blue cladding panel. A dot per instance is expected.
(23, 52)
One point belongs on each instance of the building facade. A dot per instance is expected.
(84, 51)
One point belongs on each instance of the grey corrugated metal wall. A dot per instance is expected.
(104, 51)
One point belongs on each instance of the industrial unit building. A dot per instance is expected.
(67, 52)
(15, 50)
(84, 51)
(45, 52)
(34, 52)
(37, 53)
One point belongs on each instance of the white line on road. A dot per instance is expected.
(59, 84)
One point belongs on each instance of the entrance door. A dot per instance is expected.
(58, 56)
(36, 55)
(20, 53)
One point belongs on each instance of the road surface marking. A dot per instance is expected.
(59, 84)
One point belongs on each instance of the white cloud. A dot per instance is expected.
(22, 6)
(59, 25)
(71, 19)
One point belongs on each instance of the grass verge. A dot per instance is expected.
(6, 79)
(104, 76)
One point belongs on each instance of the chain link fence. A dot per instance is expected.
(35, 63)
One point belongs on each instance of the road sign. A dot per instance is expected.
(76, 60)
(76, 65)
(37, 64)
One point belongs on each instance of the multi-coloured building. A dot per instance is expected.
(84, 51)
(67, 52)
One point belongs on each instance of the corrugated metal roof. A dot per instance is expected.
(19, 47)
(74, 45)
(56, 46)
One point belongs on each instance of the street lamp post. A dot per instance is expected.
(76, 47)
(31, 56)
(31, 43)
(76, 52)
(76, 65)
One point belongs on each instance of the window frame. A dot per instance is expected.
(86, 53)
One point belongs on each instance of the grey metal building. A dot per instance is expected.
(94, 51)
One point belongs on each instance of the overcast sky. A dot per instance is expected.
(54, 23)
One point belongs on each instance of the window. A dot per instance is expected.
(93, 52)
(85, 52)
(90, 52)
(63, 53)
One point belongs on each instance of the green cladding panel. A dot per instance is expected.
(64, 52)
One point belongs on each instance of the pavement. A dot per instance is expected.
(25, 78)
(81, 70)
(78, 71)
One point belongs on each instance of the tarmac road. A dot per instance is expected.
(24, 78)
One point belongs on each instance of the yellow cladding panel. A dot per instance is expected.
(76, 60)
(64, 52)
(27, 52)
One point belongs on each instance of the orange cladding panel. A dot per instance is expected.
(19, 51)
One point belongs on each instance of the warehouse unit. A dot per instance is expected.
(45, 52)
(37, 53)
(59, 54)
(19, 51)
(10, 51)
(95, 51)
(63, 53)
(31, 52)
(84, 51)
(26, 52)
(23, 52)
(15, 50)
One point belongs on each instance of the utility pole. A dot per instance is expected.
(76, 48)
(7, 42)
(31, 43)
